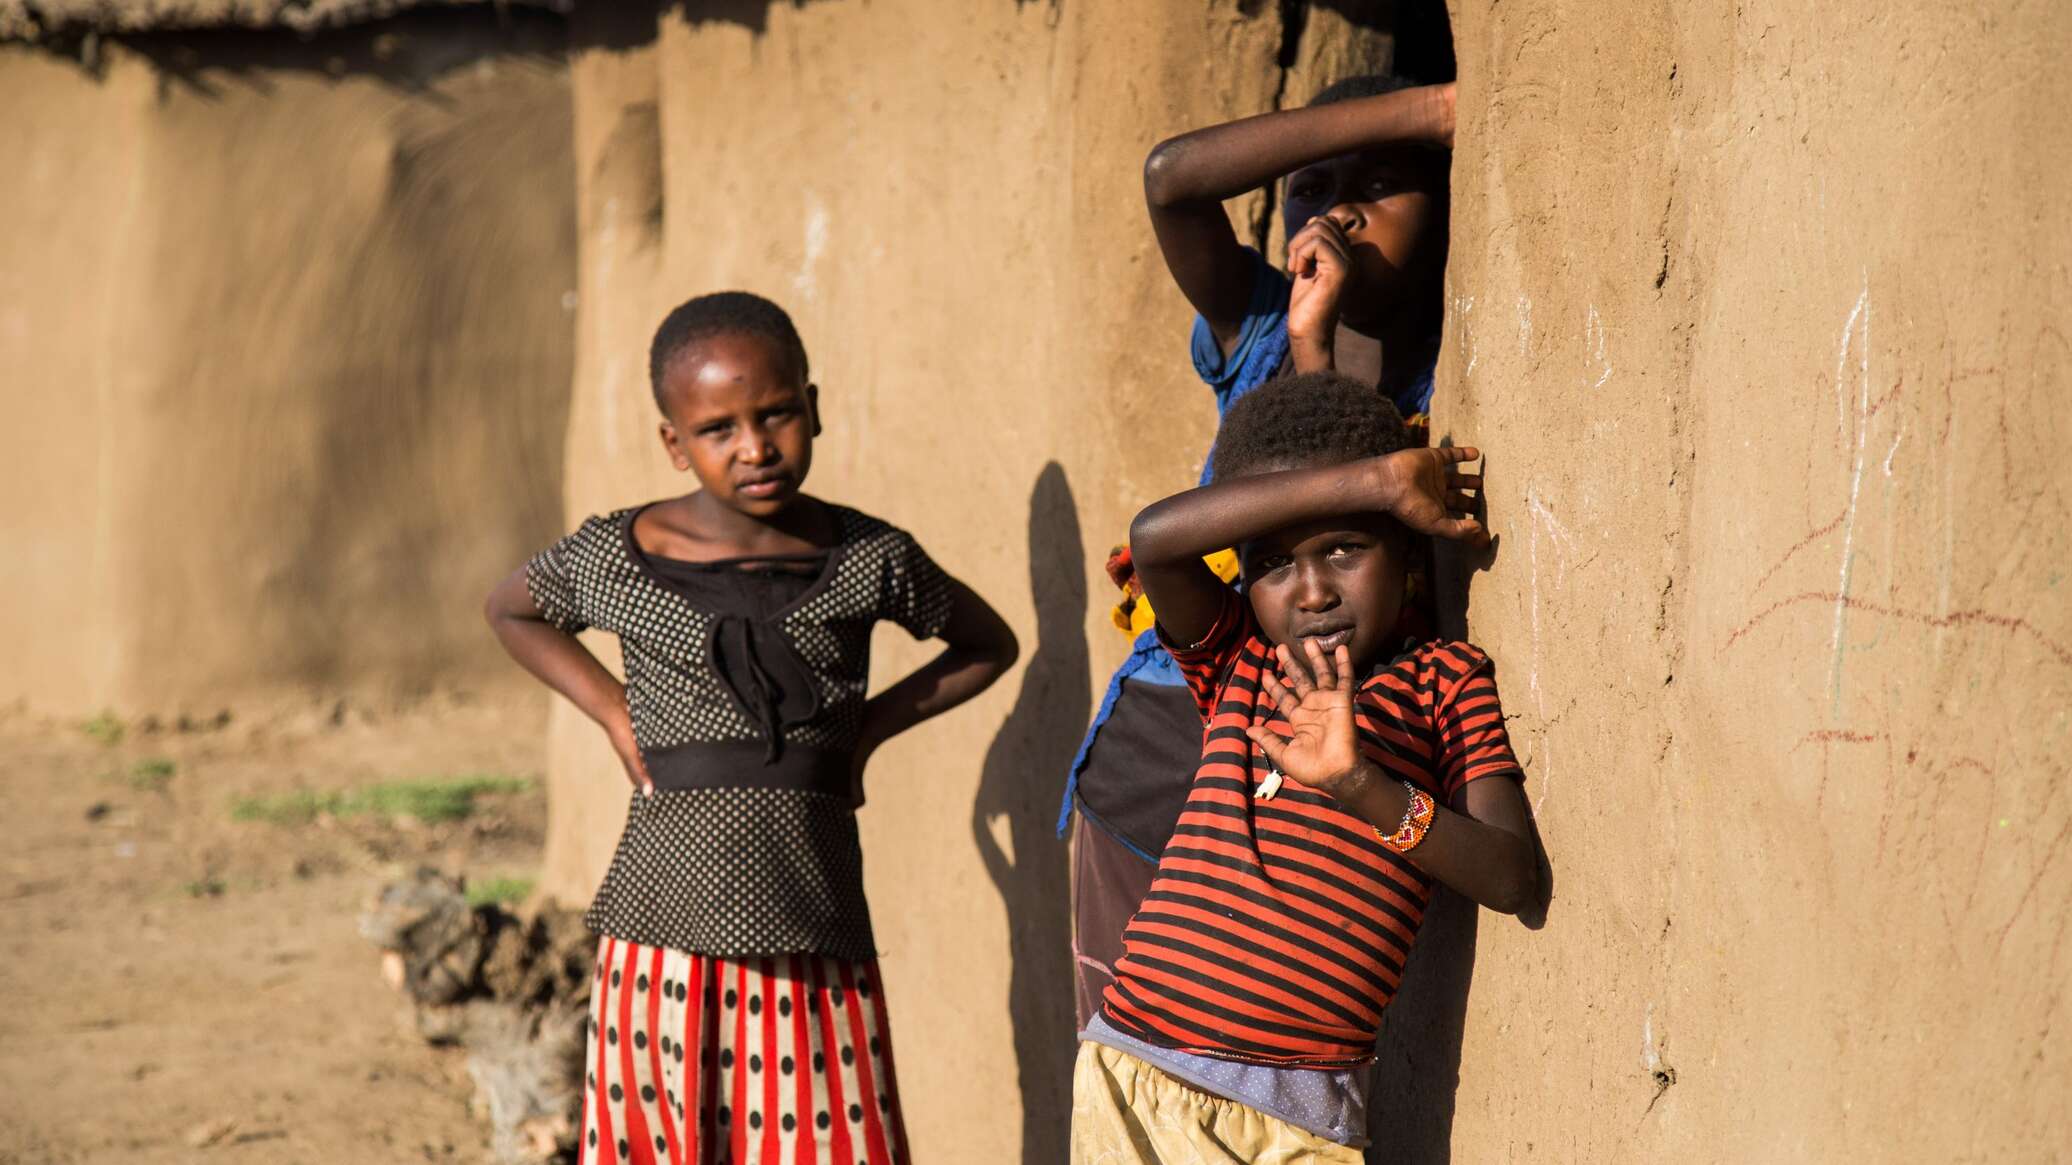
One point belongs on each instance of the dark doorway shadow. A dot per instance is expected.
(1017, 795)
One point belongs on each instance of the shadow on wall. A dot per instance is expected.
(1011, 821)
(1417, 1060)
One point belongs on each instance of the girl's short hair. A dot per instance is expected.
(722, 313)
(1310, 418)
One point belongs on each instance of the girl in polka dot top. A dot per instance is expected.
(738, 1014)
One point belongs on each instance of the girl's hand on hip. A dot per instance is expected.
(620, 731)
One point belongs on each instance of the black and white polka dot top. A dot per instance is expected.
(747, 719)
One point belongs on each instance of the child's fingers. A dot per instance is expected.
(1298, 678)
(1466, 530)
(1343, 657)
(1456, 500)
(1319, 667)
(1273, 746)
(1455, 454)
(1278, 693)
(1463, 480)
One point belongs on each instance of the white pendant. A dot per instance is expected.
(1271, 785)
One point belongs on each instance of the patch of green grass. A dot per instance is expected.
(499, 891)
(209, 886)
(107, 728)
(149, 775)
(430, 799)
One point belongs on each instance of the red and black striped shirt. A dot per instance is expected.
(1276, 930)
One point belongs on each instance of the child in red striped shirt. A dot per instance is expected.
(1338, 781)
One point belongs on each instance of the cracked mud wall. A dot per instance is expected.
(287, 357)
(1758, 310)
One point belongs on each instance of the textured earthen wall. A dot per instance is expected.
(287, 340)
(1759, 311)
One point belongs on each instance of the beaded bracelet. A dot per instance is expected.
(1417, 819)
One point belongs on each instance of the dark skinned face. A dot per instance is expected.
(1337, 581)
(740, 417)
(1387, 200)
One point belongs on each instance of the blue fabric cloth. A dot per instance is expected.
(1261, 349)
(1329, 1103)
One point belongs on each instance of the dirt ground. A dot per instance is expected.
(185, 986)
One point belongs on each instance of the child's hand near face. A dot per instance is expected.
(1319, 260)
(1322, 749)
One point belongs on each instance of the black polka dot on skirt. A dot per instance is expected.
(640, 1041)
(755, 1005)
(679, 1053)
(625, 1150)
(731, 997)
(726, 1115)
(820, 1061)
(820, 1120)
(863, 987)
(661, 1146)
(665, 1044)
(612, 1034)
(640, 984)
(593, 1138)
(755, 1120)
(790, 1122)
(615, 978)
(834, 996)
(787, 1065)
(726, 1058)
(855, 1113)
(647, 1093)
(848, 1055)
(618, 1094)
(874, 1045)
(755, 1063)
(784, 1006)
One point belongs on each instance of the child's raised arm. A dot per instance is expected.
(1188, 178)
(1420, 488)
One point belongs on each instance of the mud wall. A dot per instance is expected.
(1757, 309)
(287, 331)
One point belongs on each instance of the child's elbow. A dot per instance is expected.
(1162, 186)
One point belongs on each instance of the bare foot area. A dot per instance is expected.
(183, 975)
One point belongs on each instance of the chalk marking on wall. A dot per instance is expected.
(1543, 519)
(1524, 325)
(1593, 336)
(1859, 326)
(610, 383)
(1464, 307)
(806, 282)
(1650, 1058)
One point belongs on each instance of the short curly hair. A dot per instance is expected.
(1306, 419)
(721, 313)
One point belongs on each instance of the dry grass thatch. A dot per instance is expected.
(39, 19)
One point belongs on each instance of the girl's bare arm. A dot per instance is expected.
(561, 662)
(978, 649)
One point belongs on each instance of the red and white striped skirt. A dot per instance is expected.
(699, 1060)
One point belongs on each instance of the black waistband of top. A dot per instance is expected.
(745, 764)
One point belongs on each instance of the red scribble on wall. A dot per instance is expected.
(2012, 624)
